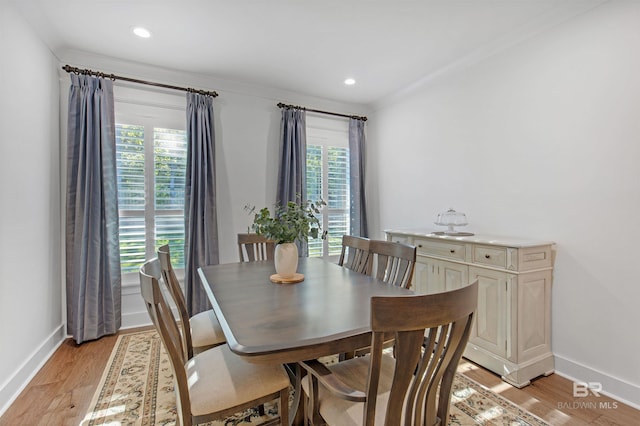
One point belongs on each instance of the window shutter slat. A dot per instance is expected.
(162, 199)
(336, 179)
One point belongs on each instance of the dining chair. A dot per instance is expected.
(252, 247)
(411, 388)
(215, 383)
(394, 264)
(391, 262)
(199, 332)
(355, 253)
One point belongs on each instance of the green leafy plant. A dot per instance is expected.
(289, 222)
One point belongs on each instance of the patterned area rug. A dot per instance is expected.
(137, 389)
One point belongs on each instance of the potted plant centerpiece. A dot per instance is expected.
(289, 222)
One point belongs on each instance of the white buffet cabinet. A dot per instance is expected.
(511, 334)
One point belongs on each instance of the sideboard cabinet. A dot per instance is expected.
(511, 333)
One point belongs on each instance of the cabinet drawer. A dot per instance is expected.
(490, 256)
(444, 249)
(535, 258)
(399, 239)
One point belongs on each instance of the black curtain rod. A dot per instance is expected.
(281, 105)
(75, 70)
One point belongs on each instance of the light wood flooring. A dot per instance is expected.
(61, 392)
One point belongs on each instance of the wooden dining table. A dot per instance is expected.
(266, 322)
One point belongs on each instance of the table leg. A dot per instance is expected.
(296, 412)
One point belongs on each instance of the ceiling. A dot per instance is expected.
(303, 46)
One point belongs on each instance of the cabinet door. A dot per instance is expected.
(490, 324)
(534, 315)
(420, 282)
(426, 276)
(453, 275)
(436, 276)
(435, 283)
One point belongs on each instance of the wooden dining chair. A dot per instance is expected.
(199, 332)
(355, 253)
(412, 388)
(394, 264)
(252, 247)
(215, 383)
(391, 262)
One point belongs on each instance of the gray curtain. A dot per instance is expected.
(292, 172)
(358, 205)
(92, 247)
(201, 223)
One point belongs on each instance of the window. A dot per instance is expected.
(328, 178)
(151, 154)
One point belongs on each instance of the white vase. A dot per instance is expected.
(286, 259)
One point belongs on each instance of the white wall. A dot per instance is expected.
(540, 141)
(31, 323)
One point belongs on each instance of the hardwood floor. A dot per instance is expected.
(551, 398)
(61, 392)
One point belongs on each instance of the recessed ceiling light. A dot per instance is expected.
(349, 82)
(142, 32)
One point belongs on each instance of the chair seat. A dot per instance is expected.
(219, 379)
(206, 330)
(353, 372)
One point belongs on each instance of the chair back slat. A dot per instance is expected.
(355, 253)
(430, 337)
(394, 262)
(254, 247)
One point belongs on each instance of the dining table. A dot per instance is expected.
(327, 313)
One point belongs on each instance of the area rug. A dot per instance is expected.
(137, 389)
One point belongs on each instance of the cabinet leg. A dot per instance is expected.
(517, 385)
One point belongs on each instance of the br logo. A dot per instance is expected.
(582, 389)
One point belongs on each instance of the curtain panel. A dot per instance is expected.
(201, 223)
(358, 204)
(93, 280)
(292, 172)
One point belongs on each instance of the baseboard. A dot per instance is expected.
(135, 319)
(11, 389)
(616, 388)
(133, 311)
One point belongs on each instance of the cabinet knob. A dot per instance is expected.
(452, 251)
(486, 256)
(420, 245)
